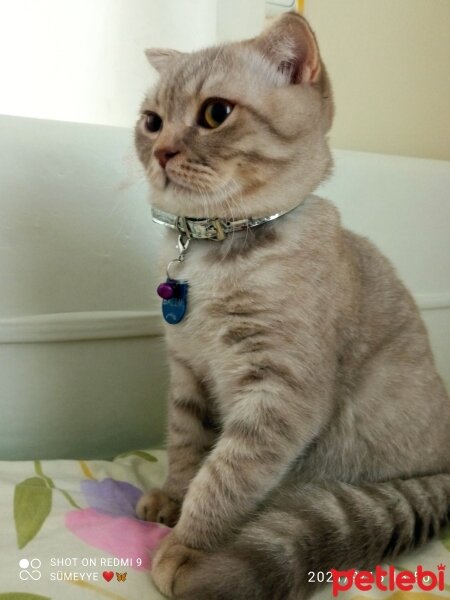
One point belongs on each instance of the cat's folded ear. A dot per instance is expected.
(162, 58)
(291, 45)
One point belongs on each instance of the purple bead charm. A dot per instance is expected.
(166, 290)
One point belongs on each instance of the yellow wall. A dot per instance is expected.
(389, 61)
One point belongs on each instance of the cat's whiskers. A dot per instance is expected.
(238, 203)
(204, 198)
(229, 200)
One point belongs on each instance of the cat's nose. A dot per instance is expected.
(163, 155)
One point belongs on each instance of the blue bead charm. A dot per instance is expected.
(174, 299)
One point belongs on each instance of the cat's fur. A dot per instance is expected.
(308, 427)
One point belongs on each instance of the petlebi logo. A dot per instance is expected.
(30, 569)
(388, 580)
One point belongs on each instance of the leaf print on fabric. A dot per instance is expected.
(86, 470)
(32, 505)
(50, 484)
(139, 453)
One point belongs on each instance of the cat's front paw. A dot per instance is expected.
(172, 565)
(158, 507)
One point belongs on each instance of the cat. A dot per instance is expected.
(308, 427)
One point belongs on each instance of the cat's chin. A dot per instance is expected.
(190, 201)
(180, 185)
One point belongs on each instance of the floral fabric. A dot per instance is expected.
(68, 531)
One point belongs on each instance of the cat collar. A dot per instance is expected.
(210, 229)
(174, 292)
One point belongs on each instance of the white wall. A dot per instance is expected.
(239, 19)
(389, 65)
(82, 371)
(83, 60)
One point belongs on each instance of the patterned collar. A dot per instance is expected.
(210, 229)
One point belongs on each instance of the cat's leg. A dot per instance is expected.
(290, 548)
(276, 408)
(191, 434)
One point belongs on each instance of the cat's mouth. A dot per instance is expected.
(191, 185)
(196, 185)
(171, 182)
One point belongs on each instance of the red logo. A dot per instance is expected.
(387, 580)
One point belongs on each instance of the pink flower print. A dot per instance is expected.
(110, 523)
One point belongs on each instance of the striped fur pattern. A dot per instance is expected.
(317, 528)
(308, 428)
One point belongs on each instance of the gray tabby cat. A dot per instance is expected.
(308, 427)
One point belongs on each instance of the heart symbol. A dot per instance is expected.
(108, 575)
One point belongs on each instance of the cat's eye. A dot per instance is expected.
(153, 121)
(214, 112)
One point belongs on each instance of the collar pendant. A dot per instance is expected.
(174, 292)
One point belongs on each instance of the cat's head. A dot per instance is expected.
(237, 130)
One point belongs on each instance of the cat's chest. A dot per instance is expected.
(213, 286)
(220, 292)
(235, 289)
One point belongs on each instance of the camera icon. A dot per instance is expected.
(29, 569)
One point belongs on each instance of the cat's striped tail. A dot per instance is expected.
(318, 528)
